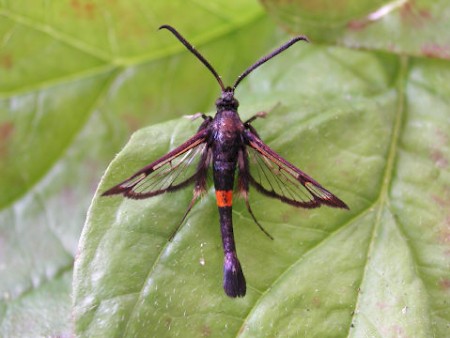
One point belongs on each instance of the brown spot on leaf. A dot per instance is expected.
(444, 284)
(446, 230)
(442, 136)
(6, 61)
(75, 4)
(443, 231)
(439, 159)
(443, 227)
(6, 132)
(357, 25)
(412, 15)
(84, 9)
(434, 50)
(443, 199)
(439, 200)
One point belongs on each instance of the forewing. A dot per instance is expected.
(273, 176)
(173, 171)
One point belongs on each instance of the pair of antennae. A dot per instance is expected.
(245, 73)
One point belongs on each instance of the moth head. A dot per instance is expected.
(227, 101)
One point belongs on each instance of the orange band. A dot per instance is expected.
(224, 198)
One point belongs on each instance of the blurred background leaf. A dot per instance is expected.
(413, 27)
(78, 77)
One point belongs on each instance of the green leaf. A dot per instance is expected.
(373, 128)
(418, 28)
(76, 78)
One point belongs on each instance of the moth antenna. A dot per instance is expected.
(195, 52)
(268, 57)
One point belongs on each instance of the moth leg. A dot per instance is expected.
(248, 126)
(247, 204)
(261, 114)
(191, 204)
(243, 186)
(200, 186)
(196, 116)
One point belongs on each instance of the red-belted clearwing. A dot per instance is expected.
(228, 145)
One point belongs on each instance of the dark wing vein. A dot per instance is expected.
(173, 171)
(275, 177)
(173, 175)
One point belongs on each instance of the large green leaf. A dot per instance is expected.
(76, 77)
(373, 128)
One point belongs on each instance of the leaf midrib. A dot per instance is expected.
(383, 200)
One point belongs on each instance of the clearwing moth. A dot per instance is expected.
(229, 145)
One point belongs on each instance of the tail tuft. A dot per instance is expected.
(233, 277)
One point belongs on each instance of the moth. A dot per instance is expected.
(229, 146)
